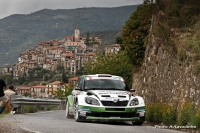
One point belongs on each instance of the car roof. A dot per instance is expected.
(103, 76)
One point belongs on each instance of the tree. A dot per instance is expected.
(87, 38)
(135, 32)
(64, 78)
(26, 94)
(79, 72)
(64, 92)
(115, 64)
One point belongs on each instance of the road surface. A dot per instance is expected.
(56, 122)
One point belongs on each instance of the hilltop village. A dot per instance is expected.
(69, 52)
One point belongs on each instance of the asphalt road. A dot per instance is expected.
(56, 122)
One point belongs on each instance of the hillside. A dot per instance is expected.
(170, 69)
(19, 32)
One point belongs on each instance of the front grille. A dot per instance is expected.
(111, 103)
(111, 114)
(115, 109)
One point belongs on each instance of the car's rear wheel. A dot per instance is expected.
(76, 113)
(67, 111)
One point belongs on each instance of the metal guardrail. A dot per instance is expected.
(18, 101)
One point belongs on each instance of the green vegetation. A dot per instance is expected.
(165, 113)
(135, 32)
(163, 31)
(36, 108)
(32, 109)
(181, 16)
(9, 79)
(63, 93)
(26, 94)
(38, 75)
(193, 44)
(196, 69)
(87, 38)
(180, 13)
(116, 64)
(161, 113)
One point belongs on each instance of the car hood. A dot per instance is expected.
(107, 95)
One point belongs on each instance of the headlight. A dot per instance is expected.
(134, 102)
(93, 101)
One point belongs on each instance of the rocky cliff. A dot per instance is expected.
(168, 71)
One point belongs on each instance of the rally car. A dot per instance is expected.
(104, 97)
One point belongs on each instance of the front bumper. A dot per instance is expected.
(112, 113)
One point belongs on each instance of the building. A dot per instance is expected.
(69, 52)
(22, 90)
(73, 80)
(112, 49)
(52, 88)
(7, 69)
(39, 91)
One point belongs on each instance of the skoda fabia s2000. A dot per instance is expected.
(104, 97)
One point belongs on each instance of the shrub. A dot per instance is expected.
(163, 31)
(149, 112)
(197, 116)
(29, 109)
(185, 114)
(168, 114)
(159, 112)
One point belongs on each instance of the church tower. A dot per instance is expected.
(77, 34)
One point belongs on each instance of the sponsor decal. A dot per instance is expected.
(111, 92)
(84, 109)
(108, 97)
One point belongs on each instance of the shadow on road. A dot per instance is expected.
(115, 123)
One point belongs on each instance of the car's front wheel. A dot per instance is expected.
(139, 123)
(76, 113)
(67, 110)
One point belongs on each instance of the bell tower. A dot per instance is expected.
(77, 34)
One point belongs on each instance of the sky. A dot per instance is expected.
(9, 7)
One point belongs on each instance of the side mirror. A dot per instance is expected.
(132, 90)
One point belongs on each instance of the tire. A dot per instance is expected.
(76, 113)
(138, 123)
(67, 111)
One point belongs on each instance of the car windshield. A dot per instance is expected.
(105, 84)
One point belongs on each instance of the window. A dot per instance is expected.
(105, 84)
(80, 82)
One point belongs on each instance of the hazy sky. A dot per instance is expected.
(9, 7)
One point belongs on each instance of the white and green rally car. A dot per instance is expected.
(104, 97)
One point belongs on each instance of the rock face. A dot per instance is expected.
(163, 76)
